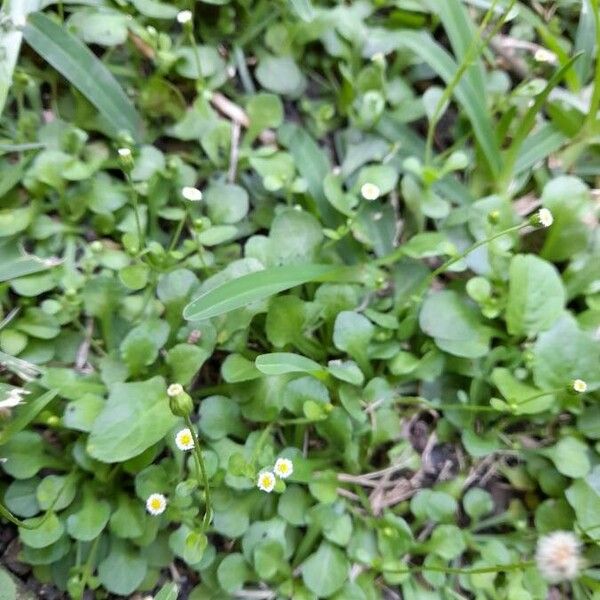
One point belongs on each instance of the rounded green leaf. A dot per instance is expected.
(325, 571)
(135, 416)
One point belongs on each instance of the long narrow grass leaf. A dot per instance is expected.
(76, 62)
(422, 44)
(256, 286)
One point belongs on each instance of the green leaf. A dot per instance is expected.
(233, 572)
(352, 333)
(584, 497)
(280, 74)
(47, 533)
(422, 44)
(312, 163)
(237, 368)
(123, 570)
(140, 347)
(75, 61)
(135, 417)
(253, 287)
(325, 571)
(454, 324)
(25, 413)
(527, 122)
(477, 503)
(278, 363)
(568, 199)
(461, 31)
(564, 353)
(8, 588)
(219, 417)
(184, 362)
(570, 457)
(23, 265)
(87, 524)
(169, 591)
(195, 545)
(303, 8)
(227, 203)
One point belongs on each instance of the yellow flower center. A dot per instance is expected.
(265, 481)
(155, 503)
(283, 468)
(186, 439)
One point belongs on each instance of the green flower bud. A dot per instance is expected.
(125, 159)
(180, 402)
(494, 217)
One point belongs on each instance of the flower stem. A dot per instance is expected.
(201, 474)
(466, 571)
(134, 200)
(399, 252)
(442, 268)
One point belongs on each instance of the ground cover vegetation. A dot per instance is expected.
(300, 299)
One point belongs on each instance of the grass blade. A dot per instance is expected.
(25, 265)
(76, 62)
(255, 286)
(538, 146)
(422, 44)
(528, 122)
(461, 32)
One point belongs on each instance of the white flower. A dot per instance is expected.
(266, 481)
(156, 504)
(283, 468)
(184, 439)
(191, 193)
(184, 16)
(558, 556)
(579, 386)
(174, 390)
(124, 152)
(543, 55)
(14, 398)
(369, 191)
(545, 216)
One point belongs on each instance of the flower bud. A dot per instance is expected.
(494, 217)
(542, 218)
(180, 402)
(184, 16)
(125, 159)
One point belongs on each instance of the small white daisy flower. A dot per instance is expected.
(174, 390)
(543, 55)
(579, 386)
(184, 439)
(369, 191)
(545, 216)
(191, 193)
(156, 504)
(283, 468)
(184, 16)
(266, 481)
(124, 152)
(558, 556)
